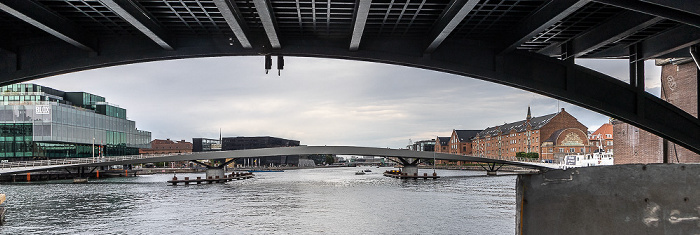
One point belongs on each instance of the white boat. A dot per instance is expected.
(595, 159)
(360, 173)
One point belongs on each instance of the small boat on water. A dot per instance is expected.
(360, 173)
(368, 170)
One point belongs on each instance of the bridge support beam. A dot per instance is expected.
(214, 172)
(634, 199)
(491, 168)
(409, 167)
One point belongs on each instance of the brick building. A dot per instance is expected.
(442, 144)
(167, 146)
(461, 141)
(563, 142)
(602, 139)
(527, 136)
(679, 86)
(634, 145)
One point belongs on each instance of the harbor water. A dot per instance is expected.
(305, 201)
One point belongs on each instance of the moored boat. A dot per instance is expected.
(595, 159)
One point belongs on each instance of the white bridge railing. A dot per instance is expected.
(76, 161)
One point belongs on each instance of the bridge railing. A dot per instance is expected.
(75, 161)
(516, 159)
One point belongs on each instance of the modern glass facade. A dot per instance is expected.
(35, 124)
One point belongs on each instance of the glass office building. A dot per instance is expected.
(38, 122)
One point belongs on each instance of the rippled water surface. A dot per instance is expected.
(308, 201)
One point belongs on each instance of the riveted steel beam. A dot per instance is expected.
(451, 17)
(268, 21)
(670, 41)
(48, 21)
(667, 44)
(615, 29)
(232, 16)
(130, 12)
(359, 23)
(661, 9)
(546, 16)
(687, 6)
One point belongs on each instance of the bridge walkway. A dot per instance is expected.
(40, 165)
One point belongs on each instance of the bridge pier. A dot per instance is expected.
(618, 199)
(410, 169)
(214, 173)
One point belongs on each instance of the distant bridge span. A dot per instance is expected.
(22, 167)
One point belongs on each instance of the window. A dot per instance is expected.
(571, 150)
(609, 142)
(608, 135)
(561, 150)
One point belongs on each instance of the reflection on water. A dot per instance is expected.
(308, 201)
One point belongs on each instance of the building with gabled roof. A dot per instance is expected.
(602, 139)
(442, 144)
(527, 136)
(461, 141)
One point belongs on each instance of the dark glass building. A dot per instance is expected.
(205, 145)
(239, 143)
(38, 122)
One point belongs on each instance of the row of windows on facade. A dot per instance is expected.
(561, 150)
(510, 135)
(510, 142)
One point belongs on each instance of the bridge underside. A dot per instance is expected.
(529, 45)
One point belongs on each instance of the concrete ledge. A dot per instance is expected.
(620, 199)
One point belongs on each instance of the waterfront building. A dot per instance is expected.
(423, 145)
(240, 143)
(237, 143)
(602, 139)
(679, 87)
(442, 145)
(167, 146)
(205, 145)
(461, 141)
(38, 122)
(546, 135)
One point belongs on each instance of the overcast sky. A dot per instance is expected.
(317, 101)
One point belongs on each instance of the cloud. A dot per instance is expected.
(316, 101)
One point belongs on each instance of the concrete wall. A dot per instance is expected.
(619, 199)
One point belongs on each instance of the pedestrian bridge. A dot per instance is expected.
(42, 165)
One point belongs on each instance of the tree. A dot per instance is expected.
(330, 159)
(531, 155)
